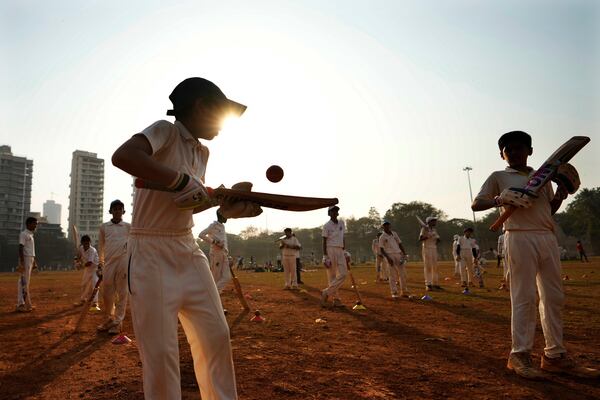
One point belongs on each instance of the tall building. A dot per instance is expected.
(15, 193)
(87, 194)
(52, 212)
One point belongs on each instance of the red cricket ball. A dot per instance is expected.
(274, 173)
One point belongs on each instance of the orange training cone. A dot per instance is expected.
(359, 306)
(257, 317)
(121, 339)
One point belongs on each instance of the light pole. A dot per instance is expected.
(469, 169)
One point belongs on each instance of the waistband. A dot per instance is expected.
(158, 232)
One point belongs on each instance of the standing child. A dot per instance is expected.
(533, 260)
(112, 252)
(88, 257)
(26, 265)
(169, 276)
(581, 251)
(333, 256)
(393, 251)
(381, 269)
(430, 238)
(219, 251)
(290, 250)
(456, 261)
(466, 254)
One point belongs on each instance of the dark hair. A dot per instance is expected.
(30, 220)
(85, 238)
(116, 203)
(287, 229)
(512, 137)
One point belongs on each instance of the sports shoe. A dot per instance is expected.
(466, 291)
(22, 308)
(287, 288)
(566, 365)
(521, 364)
(429, 288)
(79, 303)
(395, 296)
(115, 329)
(295, 288)
(106, 325)
(437, 287)
(337, 303)
(324, 298)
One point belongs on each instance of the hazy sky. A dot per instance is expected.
(373, 102)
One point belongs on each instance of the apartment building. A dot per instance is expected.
(15, 193)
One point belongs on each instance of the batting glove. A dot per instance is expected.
(515, 197)
(326, 261)
(234, 208)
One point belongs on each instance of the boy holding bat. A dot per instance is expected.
(169, 276)
(532, 254)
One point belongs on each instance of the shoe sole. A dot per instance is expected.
(530, 378)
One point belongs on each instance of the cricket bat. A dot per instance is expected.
(354, 285)
(238, 289)
(545, 173)
(423, 224)
(86, 306)
(75, 239)
(269, 200)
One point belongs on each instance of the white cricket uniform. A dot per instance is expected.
(112, 252)
(336, 274)
(430, 256)
(89, 277)
(390, 243)
(219, 252)
(456, 262)
(28, 242)
(288, 257)
(170, 278)
(380, 265)
(532, 255)
(466, 257)
(502, 254)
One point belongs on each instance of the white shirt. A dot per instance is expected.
(89, 255)
(375, 247)
(390, 243)
(334, 233)
(175, 147)
(28, 243)
(112, 241)
(215, 232)
(454, 246)
(466, 243)
(432, 237)
(536, 218)
(501, 244)
(292, 241)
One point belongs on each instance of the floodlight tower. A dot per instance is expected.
(469, 169)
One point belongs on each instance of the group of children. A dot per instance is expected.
(169, 277)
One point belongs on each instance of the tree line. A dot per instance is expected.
(580, 220)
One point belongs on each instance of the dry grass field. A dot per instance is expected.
(454, 346)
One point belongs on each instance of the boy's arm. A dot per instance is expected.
(134, 157)
(559, 196)
(402, 248)
(101, 243)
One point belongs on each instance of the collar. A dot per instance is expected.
(516, 171)
(185, 134)
(112, 223)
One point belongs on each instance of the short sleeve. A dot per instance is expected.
(325, 233)
(489, 189)
(22, 238)
(159, 134)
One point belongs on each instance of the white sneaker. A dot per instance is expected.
(324, 298)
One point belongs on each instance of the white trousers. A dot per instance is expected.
(466, 264)
(219, 267)
(88, 282)
(534, 263)
(289, 270)
(397, 274)
(23, 283)
(114, 288)
(457, 267)
(169, 278)
(336, 274)
(430, 268)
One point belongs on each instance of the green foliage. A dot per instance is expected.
(581, 219)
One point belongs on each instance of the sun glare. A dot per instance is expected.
(230, 124)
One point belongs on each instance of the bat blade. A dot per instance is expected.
(86, 305)
(238, 289)
(545, 173)
(269, 200)
(423, 224)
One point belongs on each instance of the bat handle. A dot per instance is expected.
(144, 184)
(502, 218)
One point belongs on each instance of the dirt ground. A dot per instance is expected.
(454, 346)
